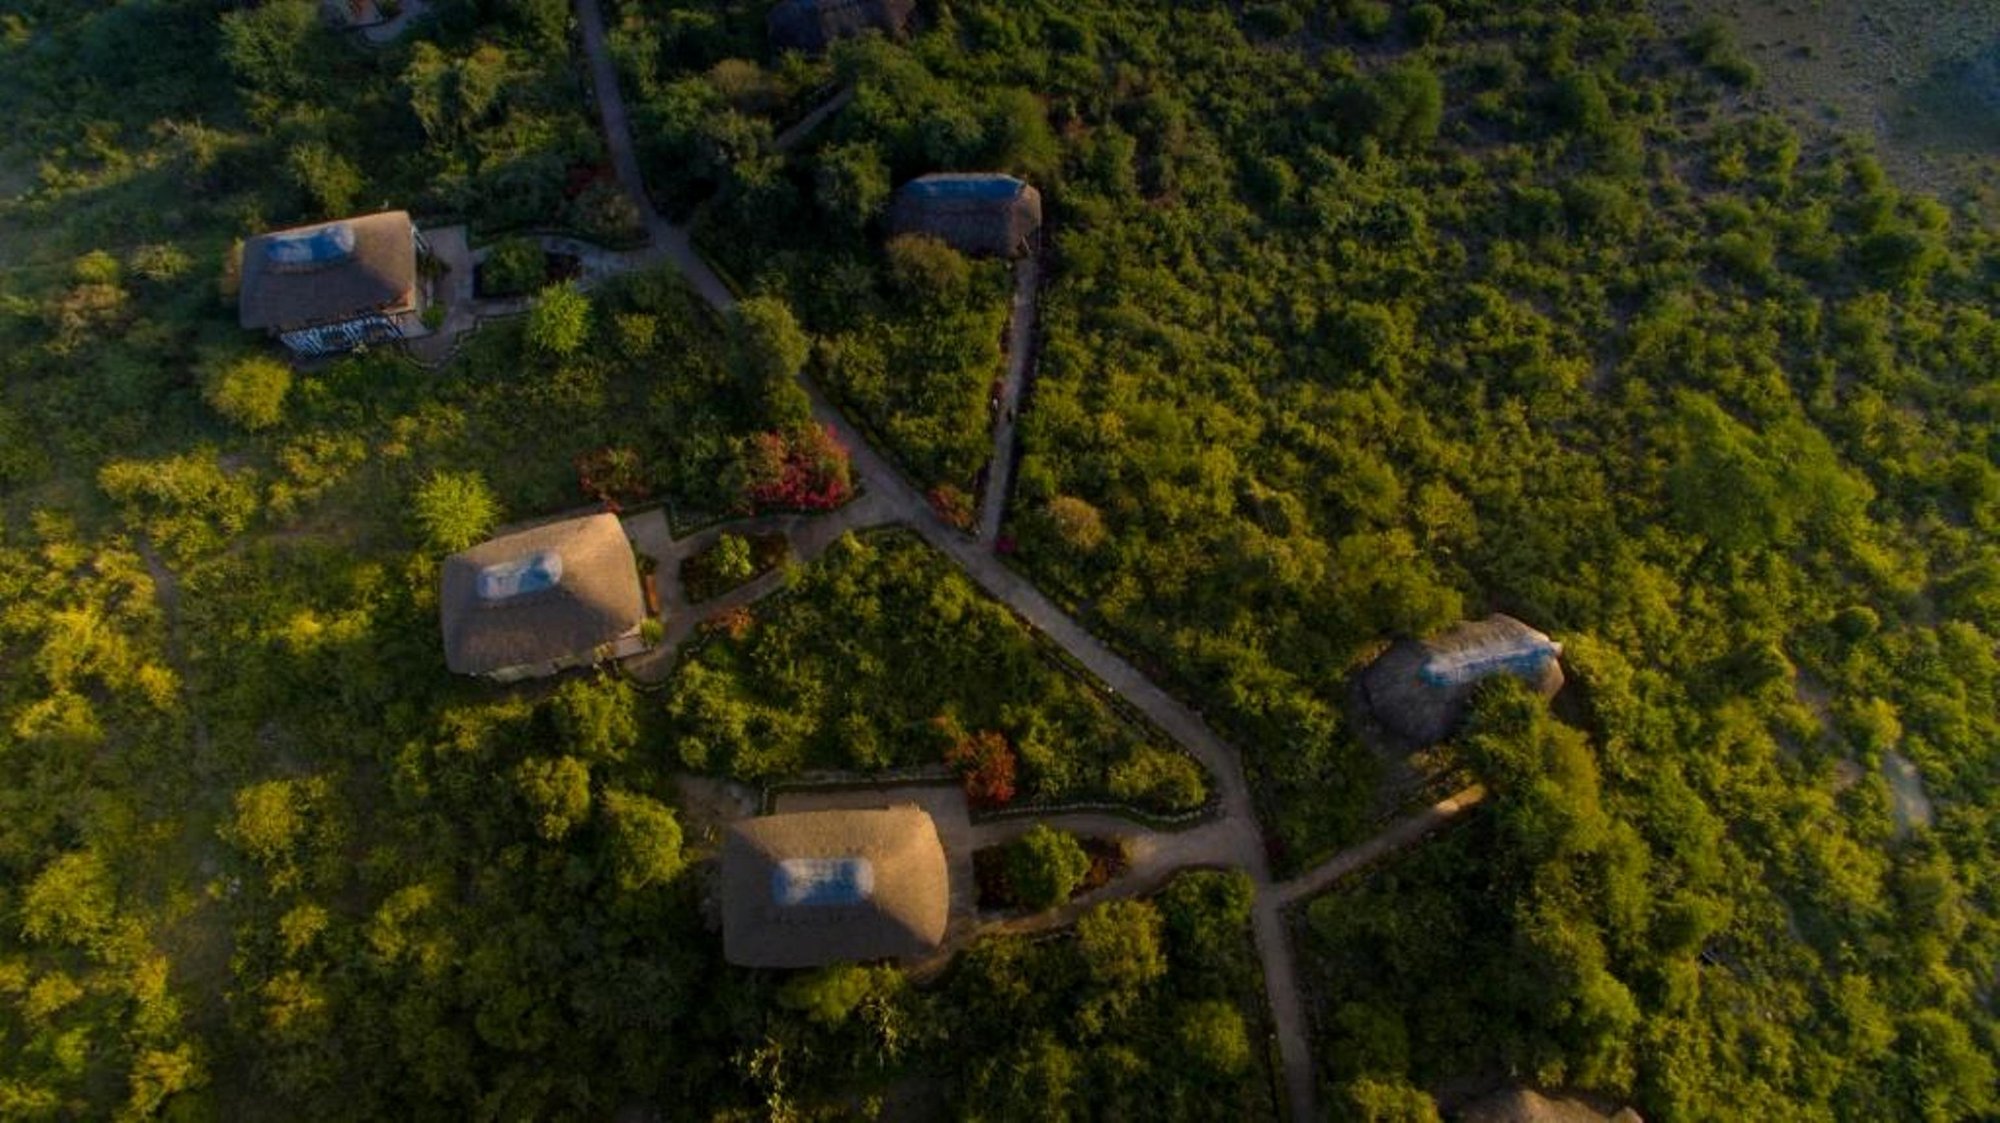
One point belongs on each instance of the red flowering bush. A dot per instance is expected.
(803, 469)
(986, 764)
(613, 476)
(952, 505)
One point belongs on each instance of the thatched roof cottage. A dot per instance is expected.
(813, 25)
(982, 213)
(1418, 690)
(818, 887)
(334, 285)
(1525, 1105)
(535, 602)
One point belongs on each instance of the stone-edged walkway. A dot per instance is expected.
(807, 535)
(1020, 355)
(1232, 839)
(465, 310)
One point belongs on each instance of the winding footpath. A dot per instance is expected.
(1232, 838)
(1020, 356)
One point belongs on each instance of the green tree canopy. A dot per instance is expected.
(559, 321)
(1045, 866)
(250, 391)
(455, 510)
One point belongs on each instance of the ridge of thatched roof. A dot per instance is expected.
(328, 271)
(1418, 689)
(813, 25)
(975, 212)
(548, 593)
(1525, 1105)
(817, 887)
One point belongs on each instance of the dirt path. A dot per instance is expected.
(1020, 351)
(1232, 839)
(790, 138)
(666, 242)
(167, 597)
(1396, 836)
(809, 536)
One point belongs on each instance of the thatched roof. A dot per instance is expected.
(539, 595)
(1418, 690)
(819, 887)
(813, 25)
(983, 213)
(1525, 1105)
(328, 272)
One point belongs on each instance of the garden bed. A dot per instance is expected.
(996, 894)
(722, 567)
(496, 278)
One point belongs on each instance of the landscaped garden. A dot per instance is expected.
(881, 655)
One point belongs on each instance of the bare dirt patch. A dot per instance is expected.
(1921, 77)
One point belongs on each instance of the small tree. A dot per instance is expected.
(1121, 946)
(1077, 523)
(557, 792)
(1213, 1038)
(986, 765)
(952, 505)
(1045, 866)
(329, 179)
(455, 510)
(642, 840)
(924, 268)
(731, 560)
(805, 468)
(1426, 22)
(559, 321)
(250, 391)
(514, 266)
(851, 183)
(770, 345)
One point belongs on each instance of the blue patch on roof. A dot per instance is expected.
(1523, 657)
(518, 578)
(307, 249)
(984, 188)
(822, 881)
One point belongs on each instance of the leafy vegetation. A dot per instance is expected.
(928, 670)
(1045, 865)
(730, 561)
(1149, 1010)
(1360, 318)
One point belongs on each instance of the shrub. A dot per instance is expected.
(1045, 866)
(188, 503)
(1425, 22)
(731, 559)
(851, 183)
(1077, 523)
(612, 476)
(514, 266)
(642, 840)
(803, 469)
(1273, 21)
(986, 765)
(1369, 18)
(1213, 1038)
(1714, 45)
(1152, 775)
(455, 510)
(559, 321)
(250, 391)
(952, 505)
(604, 213)
(924, 268)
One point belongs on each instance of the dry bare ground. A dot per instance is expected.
(1921, 77)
